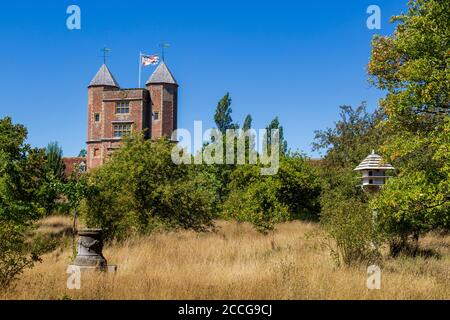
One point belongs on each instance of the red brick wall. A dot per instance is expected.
(95, 97)
(95, 129)
(72, 165)
(161, 98)
(100, 135)
(169, 116)
(93, 160)
(155, 98)
(164, 100)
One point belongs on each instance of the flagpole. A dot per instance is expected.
(140, 68)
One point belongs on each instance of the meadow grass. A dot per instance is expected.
(234, 263)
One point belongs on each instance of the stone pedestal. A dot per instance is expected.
(90, 246)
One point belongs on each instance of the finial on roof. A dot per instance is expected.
(104, 77)
(162, 74)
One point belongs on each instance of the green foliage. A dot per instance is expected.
(75, 190)
(247, 123)
(275, 125)
(354, 135)
(266, 200)
(53, 177)
(345, 214)
(221, 173)
(19, 250)
(413, 66)
(83, 153)
(140, 189)
(349, 225)
(55, 162)
(22, 177)
(299, 188)
(222, 116)
(260, 206)
(411, 205)
(351, 139)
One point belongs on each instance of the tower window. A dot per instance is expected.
(370, 173)
(122, 107)
(97, 117)
(121, 130)
(155, 115)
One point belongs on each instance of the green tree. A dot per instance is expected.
(55, 162)
(249, 139)
(224, 121)
(349, 227)
(222, 116)
(83, 153)
(293, 193)
(345, 213)
(275, 125)
(351, 139)
(412, 65)
(22, 174)
(54, 176)
(247, 123)
(140, 189)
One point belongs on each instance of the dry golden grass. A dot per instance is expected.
(55, 225)
(236, 263)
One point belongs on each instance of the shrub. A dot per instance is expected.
(293, 193)
(409, 206)
(259, 205)
(348, 223)
(22, 177)
(140, 189)
(18, 252)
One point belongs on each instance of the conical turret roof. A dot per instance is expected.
(162, 74)
(104, 77)
(373, 162)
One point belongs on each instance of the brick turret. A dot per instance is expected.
(163, 90)
(114, 113)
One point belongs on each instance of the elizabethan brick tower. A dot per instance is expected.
(114, 112)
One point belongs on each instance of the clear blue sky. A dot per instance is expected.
(298, 60)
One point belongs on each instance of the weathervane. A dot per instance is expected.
(163, 46)
(105, 51)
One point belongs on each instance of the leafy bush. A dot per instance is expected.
(300, 187)
(17, 252)
(409, 206)
(349, 224)
(293, 193)
(22, 177)
(140, 189)
(258, 204)
(345, 215)
(411, 64)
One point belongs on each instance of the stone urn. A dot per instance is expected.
(90, 246)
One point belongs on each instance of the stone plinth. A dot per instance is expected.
(90, 246)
